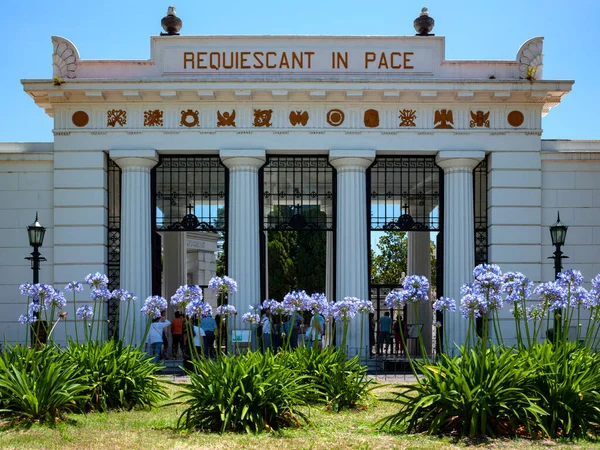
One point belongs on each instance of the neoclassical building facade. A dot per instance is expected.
(215, 141)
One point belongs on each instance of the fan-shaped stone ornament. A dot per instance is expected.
(531, 59)
(65, 58)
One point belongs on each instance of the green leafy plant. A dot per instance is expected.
(252, 393)
(117, 376)
(454, 398)
(339, 382)
(38, 385)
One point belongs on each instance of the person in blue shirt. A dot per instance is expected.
(209, 325)
(317, 329)
(385, 327)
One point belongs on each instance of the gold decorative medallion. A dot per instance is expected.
(116, 116)
(262, 117)
(335, 117)
(480, 119)
(80, 118)
(371, 118)
(153, 118)
(407, 118)
(444, 118)
(299, 118)
(189, 119)
(515, 118)
(227, 119)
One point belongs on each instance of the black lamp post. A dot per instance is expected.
(36, 234)
(558, 233)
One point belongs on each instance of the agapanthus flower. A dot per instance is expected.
(517, 287)
(278, 308)
(266, 304)
(25, 288)
(577, 296)
(486, 268)
(316, 303)
(197, 308)
(84, 312)
(472, 305)
(437, 324)
(34, 307)
(345, 310)
(74, 286)
(129, 297)
(226, 310)
(41, 293)
(488, 284)
(444, 304)
(395, 300)
(119, 295)
(25, 319)
(250, 318)
(594, 294)
(535, 313)
(467, 288)
(100, 294)
(551, 294)
(365, 306)
(570, 278)
(256, 308)
(416, 289)
(96, 280)
(57, 300)
(186, 294)
(153, 306)
(223, 285)
(295, 301)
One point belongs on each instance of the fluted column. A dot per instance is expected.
(174, 264)
(352, 263)
(419, 263)
(243, 232)
(136, 233)
(459, 233)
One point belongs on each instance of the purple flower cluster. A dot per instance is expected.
(57, 300)
(570, 278)
(250, 318)
(395, 300)
(100, 294)
(42, 297)
(594, 294)
(295, 301)
(153, 306)
(365, 306)
(186, 294)
(74, 286)
(223, 285)
(197, 308)
(316, 303)
(226, 310)
(96, 280)
(84, 312)
(443, 304)
(28, 318)
(517, 287)
(345, 310)
(472, 305)
(551, 294)
(123, 295)
(416, 289)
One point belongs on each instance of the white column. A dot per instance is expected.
(136, 233)
(244, 226)
(419, 263)
(352, 263)
(329, 265)
(174, 263)
(459, 233)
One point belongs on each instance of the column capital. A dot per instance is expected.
(351, 159)
(459, 160)
(237, 159)
(127, 159)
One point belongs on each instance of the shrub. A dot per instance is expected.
(117, 376)
(339, 382)
(38, 385)
(470, 396)
(251, 393)
(566, 379)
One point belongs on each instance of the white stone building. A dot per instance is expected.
(234, 134)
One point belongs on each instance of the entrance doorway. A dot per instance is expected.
(405, 207)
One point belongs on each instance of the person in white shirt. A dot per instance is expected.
(198, 334)
(317, 329)
(267, 329)
(155, 335)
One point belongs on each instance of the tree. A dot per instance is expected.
(391, 259)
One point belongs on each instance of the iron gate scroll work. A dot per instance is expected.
(404, 193)
(114, 243)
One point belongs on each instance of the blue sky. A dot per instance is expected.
(480, 29)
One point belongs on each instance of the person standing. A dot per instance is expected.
(267, 331)
(155, 335)
(209, 325)
(317, 329)
(385, 325)
(176, 335)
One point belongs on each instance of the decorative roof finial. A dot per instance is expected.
(424, 24)
(171, 23)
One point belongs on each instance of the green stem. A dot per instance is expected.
(525, 320)
(75, 317)
(424, 353)
(126, 318)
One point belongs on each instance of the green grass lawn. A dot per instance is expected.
(148, 430)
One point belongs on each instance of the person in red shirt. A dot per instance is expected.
(177, 334)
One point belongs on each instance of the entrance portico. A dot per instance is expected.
(335, 98)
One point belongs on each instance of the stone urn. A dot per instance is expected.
(171, 23)
(424, 24)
